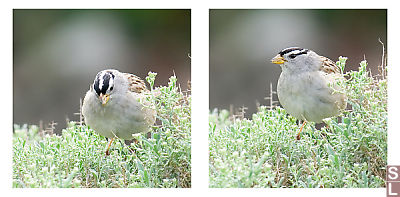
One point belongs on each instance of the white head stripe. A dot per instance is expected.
(101, 80)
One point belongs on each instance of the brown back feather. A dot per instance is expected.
(136, 84)
(329, 66)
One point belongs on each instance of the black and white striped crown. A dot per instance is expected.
(104, 81)
(293, 52)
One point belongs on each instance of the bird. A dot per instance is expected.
(115, 106)
(307, 87)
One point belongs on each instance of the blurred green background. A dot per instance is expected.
(57, 54)
(242, 43)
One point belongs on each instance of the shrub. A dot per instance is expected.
(77, 159)
(350, 151)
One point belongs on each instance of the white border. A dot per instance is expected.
(393, 87)
(200, 84)
(200, 98)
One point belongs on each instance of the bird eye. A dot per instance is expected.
(111, 88)
(292, 56)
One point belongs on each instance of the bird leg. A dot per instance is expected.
(129, 142)
(301, 128)
(108, 147)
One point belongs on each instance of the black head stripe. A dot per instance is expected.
(96, 86)
(112, 75)
(305, 51)
(288, 50)
(294, 54)
(106, 83)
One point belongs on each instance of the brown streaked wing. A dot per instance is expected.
(328, 66)
(135, 83)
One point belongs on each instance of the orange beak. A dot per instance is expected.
(104, 98)
(278, 59)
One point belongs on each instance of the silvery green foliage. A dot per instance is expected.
(350, 151)
(77, 159)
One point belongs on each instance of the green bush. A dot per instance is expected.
(77, 157)
(350, 151)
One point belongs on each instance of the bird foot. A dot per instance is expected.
(298, 136)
